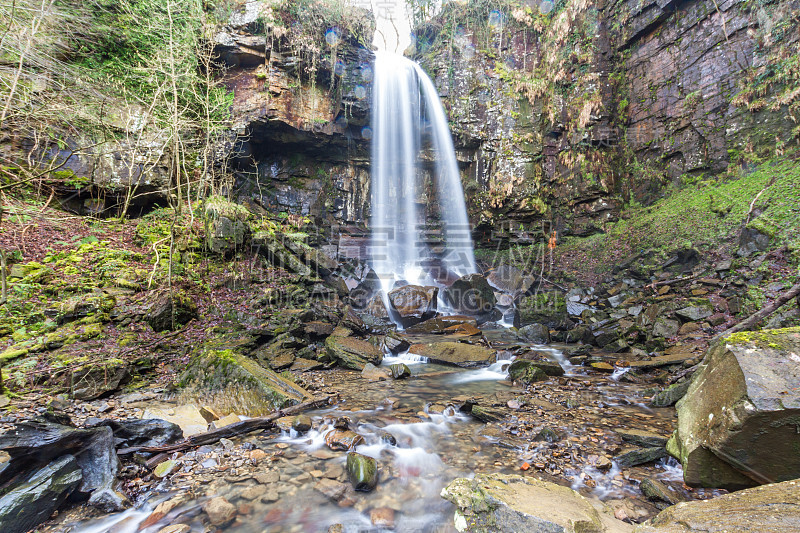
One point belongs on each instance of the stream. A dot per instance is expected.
(421, 441)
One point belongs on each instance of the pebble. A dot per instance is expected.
(267, 477)
(382, 517)
(254, 492)
(219, 511)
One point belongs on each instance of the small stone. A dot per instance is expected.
(257, 455)
(165, 469)
(209, 414)
(382, 517)
(603, 367)
(331, 488)
(227, 443)
(254, 492)
(220, 512)
(266, 478)
(271, 496)
(176, 528)
(400, 371)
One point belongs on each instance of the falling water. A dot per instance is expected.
(407, 118)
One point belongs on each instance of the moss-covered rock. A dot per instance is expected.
(352, 353)
(737, 423)
(454, 353)
(170, 311)
(506, 503)
(231, 382)
(548, 308)
(362, 471)
(526, 372)
(226, 227)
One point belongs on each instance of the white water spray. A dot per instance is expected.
(408, 118)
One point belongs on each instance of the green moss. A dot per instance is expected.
(769, 338)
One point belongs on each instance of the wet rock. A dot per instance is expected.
(602, 366)
(362, 471)
(582, 334)
(331, 488)
(535, 333)
(774, 508)
(487, 414)
(740, 412)
(99, 465)
(655, 490)
(382, 517)
(640, 456)
(547, 434)
(413, 303)
(214, 377)
(548, 308)
(31, 502)
(167, 311)
(225, 224)
(301, 423)
(471, 295)
(670, 395)
(510, 280)
(526, 372)
(220, 511)
(343, 439)
(176, 528)
(352, 353)
(440, 324)
(548, 367)
(454, 353)
(508, 503)
(377, 308)
(639, 437)
(400, 371)
(374, 373)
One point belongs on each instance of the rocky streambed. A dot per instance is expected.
(581, 430)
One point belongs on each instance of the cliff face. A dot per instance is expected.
(564, 116)
(300, 109)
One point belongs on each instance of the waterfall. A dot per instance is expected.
(407, 120)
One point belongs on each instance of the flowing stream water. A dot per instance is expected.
(421, 442)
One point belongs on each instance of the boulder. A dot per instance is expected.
(352, 353)
(640, 456)
(400, 371)
(454, 353)
(670, 395)
(343, 439)
(510, 280)
(371, 372)
(548, 308)
(510, 503)
(94, 380)
(535, 333)
(31, 502)
(229, 381)
(737, 423)
(225, 225)
(774, 508)
(143, 432)
(168, 311)
(362, 471)
(412, 304)
(471, 295)
(547, 366)
(640, 437)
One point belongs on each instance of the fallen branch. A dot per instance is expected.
(233, 430)
(670, 281)
(757, 317)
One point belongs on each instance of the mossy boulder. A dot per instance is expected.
(85, 305)
(170, 311)
(352, 353)
(231, 382)
(510, 503)
(362, 471)
(526, 372)
(737, 423)
(547, 307)
(226, 227)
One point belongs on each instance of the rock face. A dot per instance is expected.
(31, 503)
(303, 152)
(666, 80)
(217, 377)
(774, 508)
(454, 353)
(412, 304)
(737, 422)
(509, 503)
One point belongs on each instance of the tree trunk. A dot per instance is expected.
(763, 313)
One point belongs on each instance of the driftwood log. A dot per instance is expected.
(232, 430)
(751, 321)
